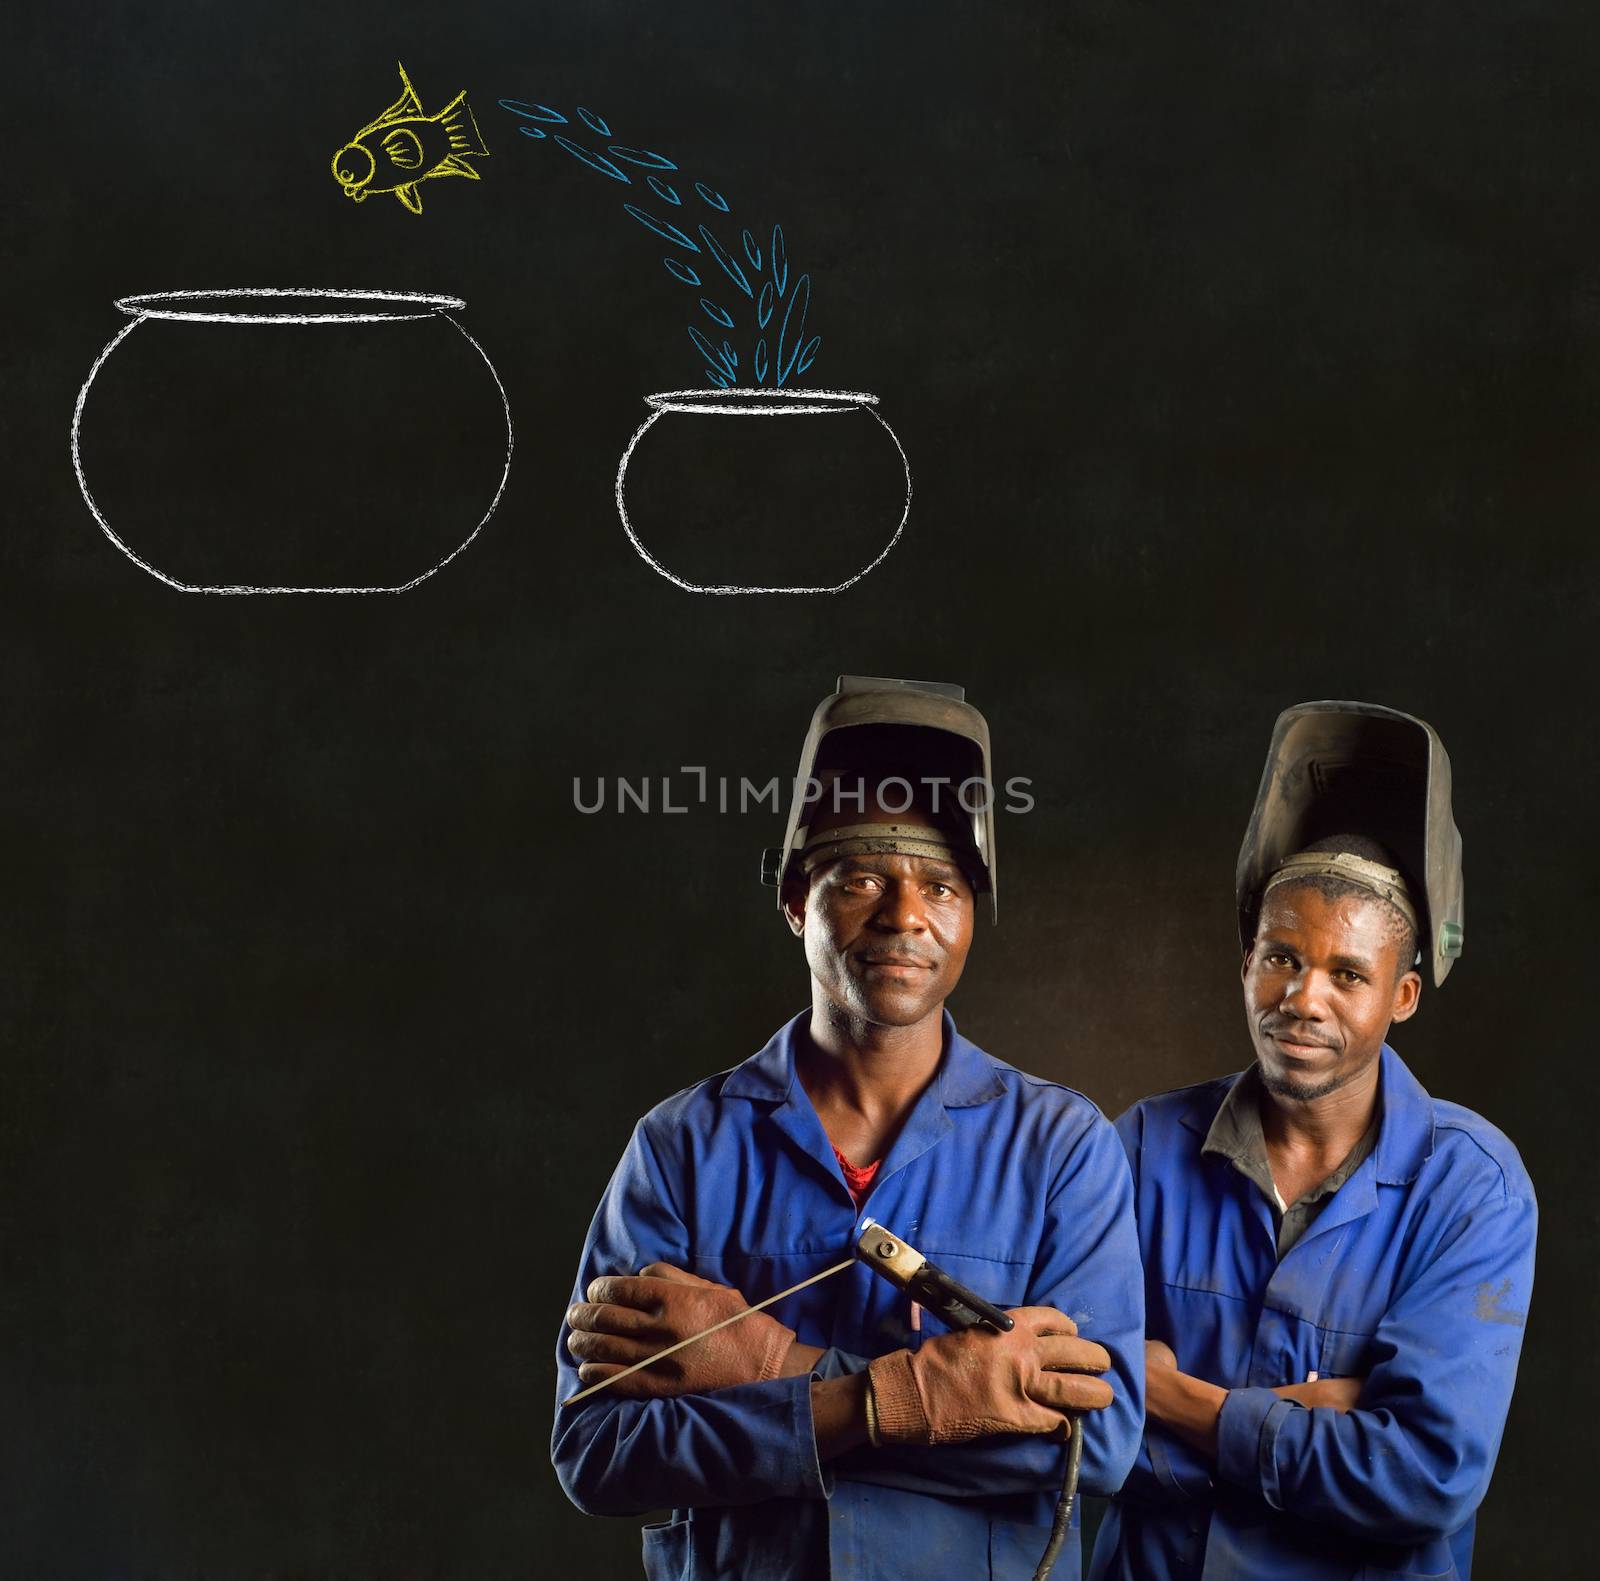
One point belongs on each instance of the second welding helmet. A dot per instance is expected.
(918, 731)
(1359, 768)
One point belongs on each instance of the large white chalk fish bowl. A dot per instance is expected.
(292, 441)
(763, 491)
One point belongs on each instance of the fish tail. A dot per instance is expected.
(461, 126)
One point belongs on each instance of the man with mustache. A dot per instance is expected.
(1337, 1266)
(846, 1432)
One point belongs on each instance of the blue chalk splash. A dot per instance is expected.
(747, 281)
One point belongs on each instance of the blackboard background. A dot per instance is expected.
(1243, 354)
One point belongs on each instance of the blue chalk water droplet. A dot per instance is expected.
(764, 306)
(662, 190)
(730, 264)
(761, 362)
(779, 260)
(681, 271)
(593, 122)
(530, 131)
(667, 232)
(707, 350)
(729, 356)
(715, 199)
(721, 315)
(641, 156)
(751, 251)
(533, 112)
(809, 354)
(593, 160)
(789, 343)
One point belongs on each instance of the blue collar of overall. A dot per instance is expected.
(966, 1075)
(1405, 1130)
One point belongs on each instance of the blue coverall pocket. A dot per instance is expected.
(666, 1551)
(1343, 1354)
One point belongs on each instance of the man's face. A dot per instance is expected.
(1322, 983)
(886, 936)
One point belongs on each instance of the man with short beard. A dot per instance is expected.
(847, 1432)
(1337, 1266)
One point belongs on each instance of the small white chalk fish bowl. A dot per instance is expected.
(292, 440)
(764, 491)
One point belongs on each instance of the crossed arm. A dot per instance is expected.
(953, 1388)
(966, 1414)
(1191, 1409)
(1404, 1454)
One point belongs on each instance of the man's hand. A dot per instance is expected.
(1159, 1357)
(1190, 1406)
(970, 1383)
(1339, 1393)
(628, 1318)
(1186, 1406)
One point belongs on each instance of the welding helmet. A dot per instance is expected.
(1358, 768)
(918, 731)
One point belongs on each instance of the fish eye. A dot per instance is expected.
(353, 165)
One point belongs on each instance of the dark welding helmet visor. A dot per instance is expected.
(1358, 768)
(878, 730)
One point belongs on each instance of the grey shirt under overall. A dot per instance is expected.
(1236, 1135)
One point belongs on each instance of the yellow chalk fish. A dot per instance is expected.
(404, 147)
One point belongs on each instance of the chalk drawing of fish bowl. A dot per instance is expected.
(764, 491)
(292, 440)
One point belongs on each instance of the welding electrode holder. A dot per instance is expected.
(931, 1288)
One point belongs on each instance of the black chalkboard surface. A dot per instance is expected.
(1231, 358)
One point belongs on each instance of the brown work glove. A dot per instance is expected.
(628, 1318)
(972, 1382)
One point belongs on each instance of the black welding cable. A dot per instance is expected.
(1062, 1523)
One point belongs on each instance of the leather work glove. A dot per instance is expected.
(627, 1318)
(972, 1382)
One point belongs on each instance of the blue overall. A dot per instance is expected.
(1013, 1185)
(1415, 1276)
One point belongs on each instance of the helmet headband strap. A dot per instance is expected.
(1384, 882)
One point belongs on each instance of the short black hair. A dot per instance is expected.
(1330, 888)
